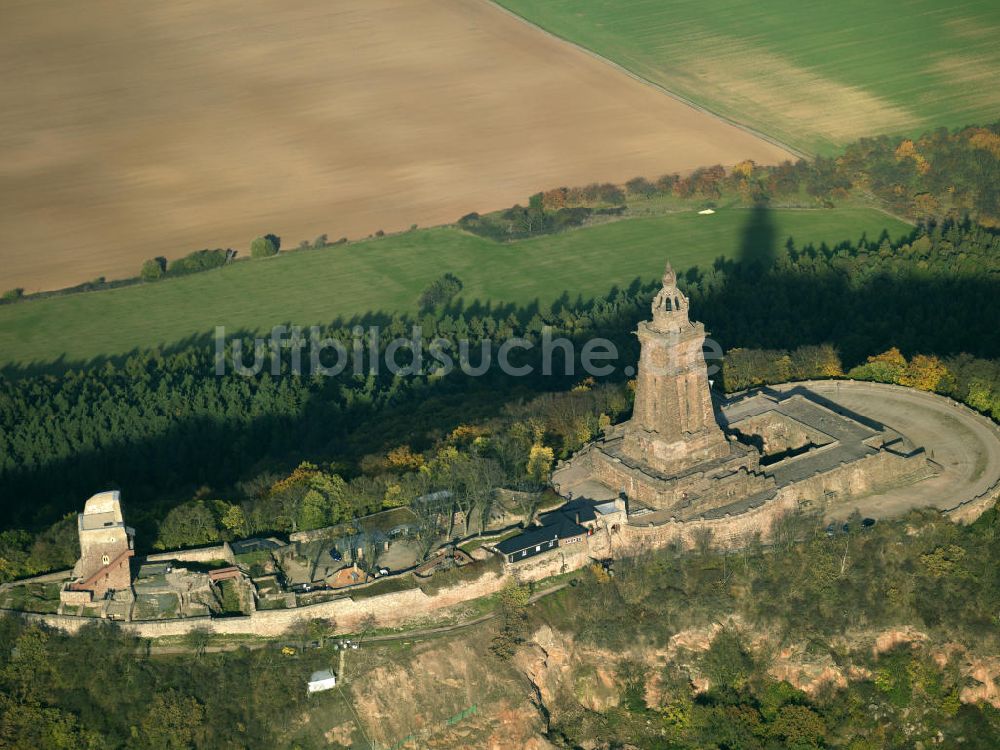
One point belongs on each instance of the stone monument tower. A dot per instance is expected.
(673, 425)
(672, 455)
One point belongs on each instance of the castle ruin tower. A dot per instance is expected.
(673, 425)
(106, 548)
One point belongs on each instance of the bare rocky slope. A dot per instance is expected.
(422, 699)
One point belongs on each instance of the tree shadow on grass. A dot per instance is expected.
(282, 421)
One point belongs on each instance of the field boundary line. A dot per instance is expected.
(659, 87)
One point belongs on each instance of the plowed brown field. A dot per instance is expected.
(131, 130)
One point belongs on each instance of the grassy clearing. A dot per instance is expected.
(32, 597)
(813, 75)
(388, 275)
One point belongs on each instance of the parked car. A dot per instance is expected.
(383, 571)
(867, 523)
(336, 555)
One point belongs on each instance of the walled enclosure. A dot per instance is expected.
(687, 481)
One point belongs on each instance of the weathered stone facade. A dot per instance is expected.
(106, 550)
(681, 458)
(673, 424)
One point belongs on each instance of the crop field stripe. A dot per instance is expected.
(816, 76)
(388, 275)
(157, 129)
(632, 73)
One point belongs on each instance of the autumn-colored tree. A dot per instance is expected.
(926, 205)
(908, 150)
(683, 187)
(983, 398)
(924, 373)
(985, 139)
(512, 603)
(552, 200)
(745, 368)
(707, 181)
(402, 458)
(465, 434)
(815, 362)
(309, 498)
(234, 520)
(887, 367)
(301, 473)
(603, 422)
(540, 459)
(905, 150)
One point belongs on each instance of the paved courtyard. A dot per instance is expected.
(966, 445)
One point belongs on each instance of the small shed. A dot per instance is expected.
(322, 680)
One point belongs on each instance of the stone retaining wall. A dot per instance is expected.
(201, 554)
(730, 532)
(968, 510)
(856, 478)
(398, 608)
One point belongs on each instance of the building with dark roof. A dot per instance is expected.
(554, 529)
(570, 523)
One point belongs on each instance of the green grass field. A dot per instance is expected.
(318, 286)
(812, 75)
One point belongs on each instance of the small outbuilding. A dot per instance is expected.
(322, 680)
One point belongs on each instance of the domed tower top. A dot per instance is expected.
(670, 306)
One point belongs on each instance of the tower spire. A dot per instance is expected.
(669, 277)
(670, 305)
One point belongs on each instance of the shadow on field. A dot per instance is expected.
(161, 425)
(758, 239)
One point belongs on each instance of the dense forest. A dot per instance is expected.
(166, 429)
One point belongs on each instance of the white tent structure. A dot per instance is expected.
(322, 680)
